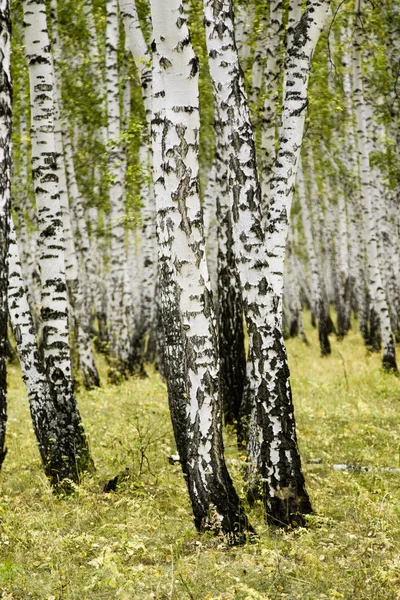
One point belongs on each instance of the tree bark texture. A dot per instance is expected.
(376, 288)
(5, 198)
(118, 327)
(72, 454)
(230, 305)
(274, 460)
(187, 295)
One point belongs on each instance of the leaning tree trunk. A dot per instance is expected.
(275, 467)
(215, 503)
(71, 455)
(5, 196)
(297, 69)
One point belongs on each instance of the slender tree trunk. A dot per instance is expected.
(274, 467)
(79, 310)
(315, 277)
(186, 286)
(71, 455)
(357, 239)
(377, 292)
(118, 329)
(230, 305)
(211, 227)
(297, 69)
(145, 325)
(272, 73)
(40, 392)
(5, 197)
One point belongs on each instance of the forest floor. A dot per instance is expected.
(140, 542)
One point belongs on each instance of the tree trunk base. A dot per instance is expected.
(389, 362)
(288, 512)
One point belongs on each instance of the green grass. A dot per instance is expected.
(139, 542)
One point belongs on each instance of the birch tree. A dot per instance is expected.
(274, 460)
(186, 286)
(71, 452)
(79, 309)
(118, 328)
(5, 197)
(137, 45)
(377, 292)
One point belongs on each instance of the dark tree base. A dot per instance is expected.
(234, 527)
(341, 324)
(288, 512)
(313, 319)
(325, 327)
(136, 355)
(389, 362)
(65, 475)
(374, 342)
(324, 342)
(294, 327)
(90, 379)
(3, 454)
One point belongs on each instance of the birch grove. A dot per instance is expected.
(190, 184)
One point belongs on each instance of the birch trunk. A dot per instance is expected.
(271, 82)
(314, 269)
(79, 311)
(377, 292)
(71, 443)
(186, 291)
(118, 329)
(350, 159)
(5, 197)
(211, 227)
(142, 57)
(274, 460)
(230, 304)
(42, 402)
(297, 69)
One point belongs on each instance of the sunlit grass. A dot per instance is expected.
(139, 542)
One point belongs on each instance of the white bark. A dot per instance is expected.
(79, 310)
(182, 253)
(377, 292)
(5, 198)
(267, 398)
(297, 69)
(211, 227)
(271, 83)
(118, 327)
(37, 385)
(142, 57)
(54, 309)
(244, 22)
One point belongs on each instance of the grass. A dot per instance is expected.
(139, 542)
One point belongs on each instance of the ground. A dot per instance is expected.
(139, 541)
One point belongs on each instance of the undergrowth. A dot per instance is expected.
(139, 540)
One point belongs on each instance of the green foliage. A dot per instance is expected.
(139, 541)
